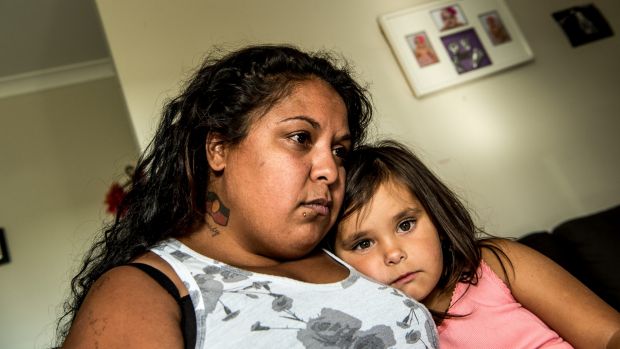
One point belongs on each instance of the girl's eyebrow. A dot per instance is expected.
(407, 212)
(353, 237)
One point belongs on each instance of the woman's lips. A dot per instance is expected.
(404, 279)
(317, 210)
(319, 207)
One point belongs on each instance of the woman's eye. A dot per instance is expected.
(406, 225)
(301, 137)
(362, 245)
(341, 152)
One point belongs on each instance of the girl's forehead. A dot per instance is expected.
(390, 189)
(396, 187)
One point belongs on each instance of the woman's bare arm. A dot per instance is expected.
(125, 308)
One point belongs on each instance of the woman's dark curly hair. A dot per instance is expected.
(225, 95)
(371, 165)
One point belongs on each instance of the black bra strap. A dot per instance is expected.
(160, 277)
(188, 316)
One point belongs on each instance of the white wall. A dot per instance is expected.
(528, 147)
(60, 150)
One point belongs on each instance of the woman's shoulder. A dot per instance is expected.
(114, 312)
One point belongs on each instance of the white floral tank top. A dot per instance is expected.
(236, 308)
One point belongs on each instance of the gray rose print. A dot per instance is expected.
(335, 329)
(377, 337)
(180, 256)
(414, 336)
(330, 329)
(228, 273)
(406, 323)
(211, 289)
(432, 338)
(281, 303)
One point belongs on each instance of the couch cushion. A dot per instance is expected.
(592, 244)
(545, 243)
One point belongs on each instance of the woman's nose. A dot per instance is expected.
(325, 167)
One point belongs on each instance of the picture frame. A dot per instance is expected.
(583, 24)
(4, 250)
(446, 43)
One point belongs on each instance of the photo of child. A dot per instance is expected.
(466, 51)
(422, 49)
(449, 17)
(493, 25)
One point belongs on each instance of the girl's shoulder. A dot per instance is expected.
(552, 294)
(496, 253)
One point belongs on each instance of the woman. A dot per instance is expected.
(215, 244)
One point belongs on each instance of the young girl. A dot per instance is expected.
(403, 227)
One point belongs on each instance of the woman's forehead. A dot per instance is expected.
(314, 101)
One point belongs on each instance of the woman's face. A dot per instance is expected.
(284, 182)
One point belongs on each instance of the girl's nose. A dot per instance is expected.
(394, 255)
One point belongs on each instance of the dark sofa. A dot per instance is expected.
(589, 248)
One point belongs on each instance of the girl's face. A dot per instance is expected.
(284, 183)
(393, 240)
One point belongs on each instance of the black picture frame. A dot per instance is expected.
(583, 24)
(4, 250)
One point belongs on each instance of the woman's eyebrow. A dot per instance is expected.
(305, 118)
(344, 138)
(315, 125)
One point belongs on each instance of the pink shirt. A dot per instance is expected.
(495, 319)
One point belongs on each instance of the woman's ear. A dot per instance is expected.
(216, 151)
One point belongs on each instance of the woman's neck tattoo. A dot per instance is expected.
(216, 209)
(214, 231)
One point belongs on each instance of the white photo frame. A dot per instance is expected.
(446, 43)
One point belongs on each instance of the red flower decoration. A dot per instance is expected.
(114, 197)
(117, 192)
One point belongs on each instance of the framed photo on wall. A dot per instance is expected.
(445, 43)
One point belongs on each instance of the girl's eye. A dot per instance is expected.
(341, 152)
(362, 245)
(406, 225)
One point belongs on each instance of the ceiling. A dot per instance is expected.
(42, 34)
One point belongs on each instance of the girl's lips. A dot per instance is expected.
(403, 279)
